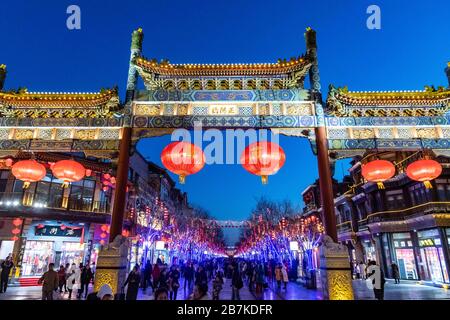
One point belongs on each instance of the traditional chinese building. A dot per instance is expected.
(47, 222)
(406, 222)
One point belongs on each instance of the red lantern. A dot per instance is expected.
(113, 180)
(40, 226)
(15, 238)
(378, 171)
(63, 227)
(28, 171)
(103, 235)
(88, 172)
(105, 188)
(68, 171)
(17, 222)
(15, 231)
(183, 158)
(424, 171)
(263, 159)
(102, 242)
(107, 176)
(104, 227)
(9, 162)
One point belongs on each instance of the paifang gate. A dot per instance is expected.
(257, 95)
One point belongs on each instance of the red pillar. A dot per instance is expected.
(121, 185)
(326, 183)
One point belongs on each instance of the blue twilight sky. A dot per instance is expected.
(410, 51)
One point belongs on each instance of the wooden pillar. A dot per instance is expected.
(326, 184)
(121, 185)
(325, 178)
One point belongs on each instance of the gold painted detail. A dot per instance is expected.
(299, 110)
(363, 133)
(147, 110)
(428, 133)
(85, 134)
(24, 134)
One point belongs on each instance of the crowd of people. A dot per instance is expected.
(203, 280)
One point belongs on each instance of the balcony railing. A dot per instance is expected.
(58, 202)
(401, 214)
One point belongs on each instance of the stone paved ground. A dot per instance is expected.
(407, 290)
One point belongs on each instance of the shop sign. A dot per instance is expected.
(58, 231)
(426, 242)
(21, 252)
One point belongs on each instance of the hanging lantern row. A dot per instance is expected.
(260, 158)
(68, 171)
(421, 170)
(17, 222)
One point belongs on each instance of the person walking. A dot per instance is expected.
(61, 278)
(217, 286)
(278, 276)
(200, 276)
(155, 275)
(284, 274)
(375, 273)
(49, 281)
(395, 272)
(70, 282)
(66, 275)
(236, 282)
(188, 276)
(174, 282)
(133, 281)
(86, 278)
(362, 269)
(147, 275)
(78, 286)
(7, 265)
(260, 280)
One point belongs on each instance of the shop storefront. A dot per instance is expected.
(136, 253)
(403, 254)
(370, 252)
(52, 241)
(432, 266)
(6, 238)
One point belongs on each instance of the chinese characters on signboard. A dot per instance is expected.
(58, 231)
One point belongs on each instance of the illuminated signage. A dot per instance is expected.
(223, 110)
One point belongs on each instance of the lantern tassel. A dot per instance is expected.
(428, 184)
(264, 179)
(182, 178)
(380, 185)
(26, 184)
(65, 184)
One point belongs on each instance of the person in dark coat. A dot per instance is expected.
(163, 280)
(7, 265)
(188, 276)
(86, 278)
(49, 281)
(155, 275)
(174, 282)
(201, 277)
(395, 272)
(133, 281)
(236, 282)
(147, 275)
(61, 278)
